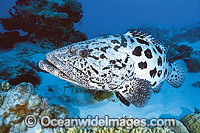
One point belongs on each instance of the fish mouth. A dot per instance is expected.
(63, 70)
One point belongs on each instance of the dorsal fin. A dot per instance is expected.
(146, 37)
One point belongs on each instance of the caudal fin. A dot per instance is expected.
(177, 76)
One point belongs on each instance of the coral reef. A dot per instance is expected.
(22, 101)
(196, 110)
(109, 130)
(179, 128)
(8, 39)
(193, 64)
(192, 122)
(5, 86)
(179, 52)
(25, 76)
(96, 95)
(44, 17)
(190, 34)
(196, 84)
(2, 97)
(100, 95)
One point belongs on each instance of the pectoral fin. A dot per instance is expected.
(122, 99)
(137, 91)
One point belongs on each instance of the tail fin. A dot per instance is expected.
(177, 76)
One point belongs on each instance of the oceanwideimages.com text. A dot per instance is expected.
(130, 123)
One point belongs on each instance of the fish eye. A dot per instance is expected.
(83, 53)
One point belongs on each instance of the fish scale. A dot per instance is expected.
(131, 65)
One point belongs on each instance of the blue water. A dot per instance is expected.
(116, 16)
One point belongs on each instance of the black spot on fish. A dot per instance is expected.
(126, 86)
(116, 35)
(102, 42)
(153, 72)
(142, 41)
(132, 41)
(116, 48)
(142, 65)
(112, 61)
(102, 56)
(126, 60)
(159, 50)
(154, 83)
(173, 69)
(115, 41)
(74, 62)
(105, 68)
(119, 60)
(154, 50)
(81, 65)
(94, 69)
(116, 66)
(103, 87)
(123, 65)
(89, 73)
(165, 72)
(159, 61)
(123, 41)
(94, 57)
(105, 48)
(90, 50)
(105, 36)
(85, 63)
(159, 73)
(96, 48)
(148, 53)
(137, 51)
(125, 90)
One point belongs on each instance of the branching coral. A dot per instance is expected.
(44, 17)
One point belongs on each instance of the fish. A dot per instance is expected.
(132, 65)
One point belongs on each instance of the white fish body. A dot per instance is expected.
(131, 65)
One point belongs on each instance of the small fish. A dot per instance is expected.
(131, 65)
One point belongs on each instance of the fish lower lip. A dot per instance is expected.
(63, 70)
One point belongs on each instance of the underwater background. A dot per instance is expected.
(33, 28)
